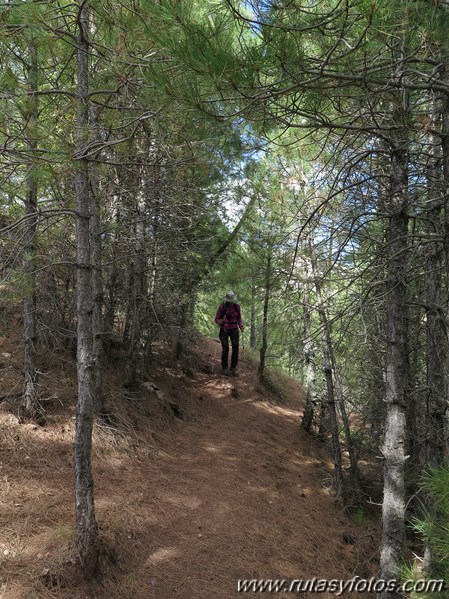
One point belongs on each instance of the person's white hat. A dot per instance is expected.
(230, 297)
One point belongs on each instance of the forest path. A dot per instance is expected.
(234, 490)
(239, 491)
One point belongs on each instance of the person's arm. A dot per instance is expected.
(219, 316)
(239, 318)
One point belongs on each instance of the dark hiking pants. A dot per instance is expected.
(233, 335)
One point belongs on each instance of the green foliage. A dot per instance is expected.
(362, 440)
(16, 288)
(359, 516)
(433, 526)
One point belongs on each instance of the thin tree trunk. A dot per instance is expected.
(435, 333)
(252, 333)
(413, 413)
(393, 506)
(111, 283)
(309, 356)
(137, 304)
(266, 301)
(445, 150)
(328, 373)
(97, 281)
(126, 337)
(323, 424)
(30, 397)
(183, 310)
(86, 526)
(353, 466)
(192, 307)
(154, 267)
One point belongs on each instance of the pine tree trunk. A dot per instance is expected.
(436, 349)
(137, 304)
(110, 288)
(30, 396)
(152, 319)
(86, 526)
(323, 424)
(264, 345)
(393, 507)
(328, 373)
(445, 148)
(413, 415)
(252, 330)
(309, 356)
(353, 465)
(180, 348)
(435, 333)
(97, 291)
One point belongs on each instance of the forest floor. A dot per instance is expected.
(198, 483)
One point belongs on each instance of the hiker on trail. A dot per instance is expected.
(229, 319)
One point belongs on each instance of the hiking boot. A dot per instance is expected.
(225, 371)
(234, 371)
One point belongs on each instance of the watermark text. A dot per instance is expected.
(339, 587)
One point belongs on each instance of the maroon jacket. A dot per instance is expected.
(231, 315)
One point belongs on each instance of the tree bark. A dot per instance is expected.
(309, 356)
(30, 397)
(110, 288)
(435, 333)
(393, 506)
(181, 340)
(137, 303)
(328, 373)
(445, 151)
(97, 279)
(266, 301)
(86, 526)
(436, 349)
(252, 333)
(323, 424)
(353, 465)
(152, 318)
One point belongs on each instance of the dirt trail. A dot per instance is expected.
(239, 492)
(234, 490)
